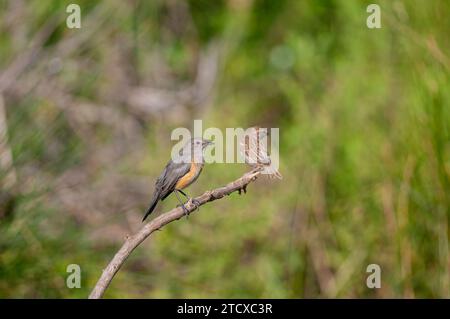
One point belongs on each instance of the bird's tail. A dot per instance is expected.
(152, 206)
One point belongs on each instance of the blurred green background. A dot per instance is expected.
(364, 118)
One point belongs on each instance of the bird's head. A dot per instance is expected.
(197, 142)
(193, 149)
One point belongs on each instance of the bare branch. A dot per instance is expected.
(135, 240)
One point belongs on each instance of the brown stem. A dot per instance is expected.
(135, 240)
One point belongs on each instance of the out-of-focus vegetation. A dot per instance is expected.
(364, 118)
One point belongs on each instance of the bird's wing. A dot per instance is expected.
(170, 176)
(166, 182)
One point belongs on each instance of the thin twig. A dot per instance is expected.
(135, 240)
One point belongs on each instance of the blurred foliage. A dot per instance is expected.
(364, 118)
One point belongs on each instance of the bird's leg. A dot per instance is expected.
(186, 212)
(183, 193)
(193, 200)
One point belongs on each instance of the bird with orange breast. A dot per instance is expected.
(179, 173)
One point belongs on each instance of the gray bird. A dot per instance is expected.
(180, 173)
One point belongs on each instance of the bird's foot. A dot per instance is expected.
(185, 210)
(195, 202)
(243, 188)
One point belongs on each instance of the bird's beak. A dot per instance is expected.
(208, 142)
